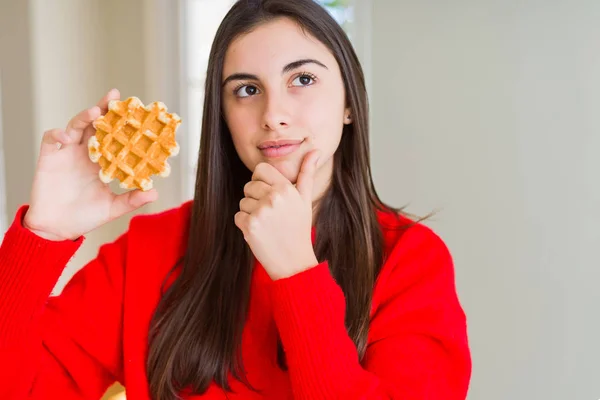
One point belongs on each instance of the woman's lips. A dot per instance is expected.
(274, 152)
(279, 148)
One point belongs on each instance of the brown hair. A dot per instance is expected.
(195, 334)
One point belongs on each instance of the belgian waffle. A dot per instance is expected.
(133, 142)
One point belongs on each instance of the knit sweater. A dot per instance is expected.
(76, 344)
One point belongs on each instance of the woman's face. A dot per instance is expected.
(283, 95)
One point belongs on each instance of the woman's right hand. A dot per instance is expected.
(68, 199)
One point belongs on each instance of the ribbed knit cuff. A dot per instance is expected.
(29, 269)
(309, 309)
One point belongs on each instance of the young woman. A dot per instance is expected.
(286, 277)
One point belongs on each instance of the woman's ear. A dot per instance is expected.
(347, 116)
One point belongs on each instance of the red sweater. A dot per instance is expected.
(75, 345)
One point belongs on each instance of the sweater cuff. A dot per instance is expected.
(309, 310)
(29, 269)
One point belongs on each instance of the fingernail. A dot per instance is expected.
(66, 138)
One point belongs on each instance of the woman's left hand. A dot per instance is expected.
(276, 218)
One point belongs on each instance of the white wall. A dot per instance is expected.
(17, 96)
(489, 111)
(3, 215)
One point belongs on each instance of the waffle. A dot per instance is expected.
(132, 142)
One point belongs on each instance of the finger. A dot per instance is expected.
(113, 94)
(248, 205)
(80, 122)
(53, 140)
(241, 221)
(269, 174)
(130, 201)
(257, 189)
(306, 176)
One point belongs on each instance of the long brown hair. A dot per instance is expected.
(195, 334)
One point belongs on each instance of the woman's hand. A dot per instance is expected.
(276, 218)
(68, 199)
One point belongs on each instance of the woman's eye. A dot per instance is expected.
(246, 91)
(303, 80)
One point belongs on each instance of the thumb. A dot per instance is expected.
(306, 176)
(131, 201)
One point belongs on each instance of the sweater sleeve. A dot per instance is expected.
(417, 343)
(66, 346)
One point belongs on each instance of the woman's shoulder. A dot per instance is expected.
(404, 231)
(154, 244)
(413, 251)
(163, 232)
(417, 262)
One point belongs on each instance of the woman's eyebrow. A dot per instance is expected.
(297, 64)
(239, 77)
(289, 67)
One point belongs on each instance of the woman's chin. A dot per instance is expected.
(287, 168)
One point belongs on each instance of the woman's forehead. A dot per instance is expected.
(272, 45)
